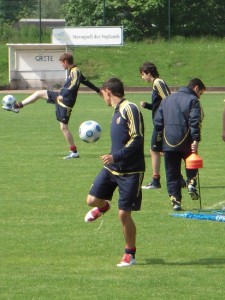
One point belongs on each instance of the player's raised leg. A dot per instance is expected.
(41, 94)
(16, 106)
(100, 207)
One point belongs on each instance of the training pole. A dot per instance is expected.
(199, 191)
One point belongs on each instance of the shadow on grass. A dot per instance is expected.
(213, 187)
(202, 262)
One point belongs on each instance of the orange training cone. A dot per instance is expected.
(194, 161)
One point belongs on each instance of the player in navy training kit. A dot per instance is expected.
(123, 168)
(179, 117)
(64, 100)
(160, 91)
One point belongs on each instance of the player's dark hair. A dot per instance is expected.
(198, 82)
(149, 68)
(115, 86)
(68, 57)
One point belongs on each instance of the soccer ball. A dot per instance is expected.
(90, 131)
(8, 101)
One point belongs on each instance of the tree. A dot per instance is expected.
(198, 18)
(12, 11)
(136, 16)
(141, 19)
(52, 9)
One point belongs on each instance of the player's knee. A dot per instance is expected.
(93, 201)
(41, 94)
(63, 127)
(125, 216)
(90, 200)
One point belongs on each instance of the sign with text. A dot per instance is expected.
(36, 66)
(38, 60)
(88, 36)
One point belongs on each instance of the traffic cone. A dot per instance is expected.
(194, 161)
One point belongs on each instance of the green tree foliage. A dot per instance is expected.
(13, 10)
(197, 18)
(52, 9)
(136, 16)
(83, 13)
(141, 19)
(150, 18)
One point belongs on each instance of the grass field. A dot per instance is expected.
(48, 251)
(177, 61)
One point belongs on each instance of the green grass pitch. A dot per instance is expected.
(47, 251)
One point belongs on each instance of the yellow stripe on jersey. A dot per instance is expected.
(69, 109)
(132, 128)
(161, 87)
(74, 73)
(122, 174)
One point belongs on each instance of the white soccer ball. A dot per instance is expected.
(90, 131)
(8, 101)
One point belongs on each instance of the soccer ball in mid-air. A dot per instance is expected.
(8, 101)
(90, 131)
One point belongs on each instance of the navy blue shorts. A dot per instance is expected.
(62, 112)
(130, 193)
(156, 142)
(52, 97)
